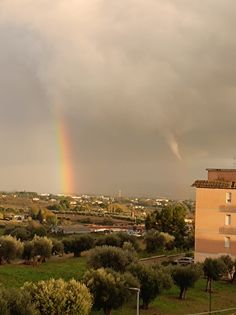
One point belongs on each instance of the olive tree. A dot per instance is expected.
(110, 289)
(78, 244)
(10, 248)
(213, 270)
(117, 240)
(185, 278)
(58, 297)
(110, 257)
(230, 265)
(157, 240)
(57, 247)
(38, 247)
(153, 280)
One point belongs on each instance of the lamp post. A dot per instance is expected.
(138, 293)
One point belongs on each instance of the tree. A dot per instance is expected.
(117, 240)
(185, 278)
(58, 297)
(110, 289)
(68, 245)
(110, 257)
(213, 270)
(21, 233)
(36, 229)
(170, 219)
(157, 240)
(150, 222)
(80, 244)
(28, 252)
(109, 240)
(41, 216)
(154, 241)
(10, 248)
(51, 219)
(64, 205)
(230, 265)
(152, 281)
(42, 247)
(57, 247)
(38, 246)
(124, 237)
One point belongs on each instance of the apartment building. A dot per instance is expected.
(215, 219)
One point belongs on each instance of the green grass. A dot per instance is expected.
(16, 275)
(197, 300)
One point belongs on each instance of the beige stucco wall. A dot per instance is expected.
(211, 208)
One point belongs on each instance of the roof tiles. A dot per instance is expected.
(214, 184)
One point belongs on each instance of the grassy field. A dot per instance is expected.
(16, 275)
(197, 300)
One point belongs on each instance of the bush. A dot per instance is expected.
(57, 297)
(16, 302)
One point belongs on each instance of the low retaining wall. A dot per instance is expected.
(161, 258)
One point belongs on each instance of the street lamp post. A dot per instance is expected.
(138, 293)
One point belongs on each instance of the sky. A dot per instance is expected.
(146, 90)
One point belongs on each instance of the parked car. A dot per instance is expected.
(184, 261)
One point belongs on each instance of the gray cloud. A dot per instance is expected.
(147, 89)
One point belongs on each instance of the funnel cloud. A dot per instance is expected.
(146, 90)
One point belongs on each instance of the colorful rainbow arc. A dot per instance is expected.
(65, 159)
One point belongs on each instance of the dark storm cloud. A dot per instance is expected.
(147, 89)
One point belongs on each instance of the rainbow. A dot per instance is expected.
(64, 153)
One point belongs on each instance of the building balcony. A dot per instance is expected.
(228, 208)
(227, 230)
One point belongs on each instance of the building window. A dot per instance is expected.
(227, 242)
(228, 219)
(228, 197)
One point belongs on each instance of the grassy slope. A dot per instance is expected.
(16, 275)
(224, 296)
(168, 304)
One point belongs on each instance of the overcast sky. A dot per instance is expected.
(147, 89)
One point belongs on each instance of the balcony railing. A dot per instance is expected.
(228, 208)
(227, 230)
